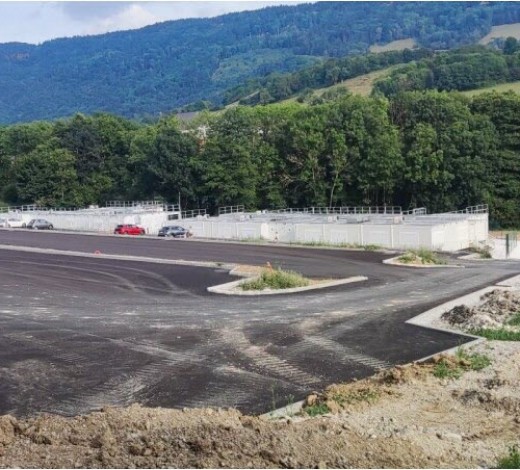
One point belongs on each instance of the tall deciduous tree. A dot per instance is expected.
(47, 177)
(227, 163)
(161, 157)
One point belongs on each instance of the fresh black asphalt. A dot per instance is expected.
(77, 333)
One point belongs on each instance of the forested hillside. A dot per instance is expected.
(461, 70)
(156, 69)
(435, 149)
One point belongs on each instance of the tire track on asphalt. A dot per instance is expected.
(247, 386)
(172, 288)
(32, 342)
(272, 365)
(120, 279)
(117, 391)
(342, 354)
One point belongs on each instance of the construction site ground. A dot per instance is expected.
(409, 419)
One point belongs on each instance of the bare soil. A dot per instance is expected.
(404, 417)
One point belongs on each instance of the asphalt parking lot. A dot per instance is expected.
(77, 334)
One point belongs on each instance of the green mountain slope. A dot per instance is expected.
(158, 68)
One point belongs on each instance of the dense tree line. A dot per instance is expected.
(464, 69)
(418, 69)
(439, 150)
(156, 69)
(278, 86)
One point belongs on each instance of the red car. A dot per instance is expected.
(129, 229)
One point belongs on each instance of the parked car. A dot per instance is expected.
(129, 229)
(174, 231)
(15, 223)
(40, 224)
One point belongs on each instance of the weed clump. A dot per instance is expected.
(452, 367)
(317, 409)
(421, 256)
(484, 252)
(276, 279)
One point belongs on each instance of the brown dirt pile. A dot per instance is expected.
(403, 418)
(496, 308)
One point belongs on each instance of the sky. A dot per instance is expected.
(35, 22)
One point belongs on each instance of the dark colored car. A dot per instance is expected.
(40, 224)
(174, 231)
(129, 229)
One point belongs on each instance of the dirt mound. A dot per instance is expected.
(401, 418)
(496, 308)
(409, 373)
(404, 417)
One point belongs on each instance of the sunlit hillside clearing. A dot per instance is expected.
(502, 31)
(500, 88)
(361, 85)
(398, 45)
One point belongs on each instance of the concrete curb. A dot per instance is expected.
(285, 412)
(81, 254)
(269, 243)
(394, 262)
(474, 257)
(511, 282)
(230, 287)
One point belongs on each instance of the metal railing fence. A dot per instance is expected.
(190, 214)
(230, 209)
(376, 210)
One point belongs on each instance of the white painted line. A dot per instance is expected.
(81, 254)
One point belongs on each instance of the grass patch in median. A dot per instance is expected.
(276, 279)
(421, 256)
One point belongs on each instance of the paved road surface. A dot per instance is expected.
(80, 333)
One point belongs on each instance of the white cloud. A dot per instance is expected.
(131, 17)
(85, 11)
(36, 21)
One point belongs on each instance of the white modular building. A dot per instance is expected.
(386, 227)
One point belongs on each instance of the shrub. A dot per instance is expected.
(276, 279)
(421, 256)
